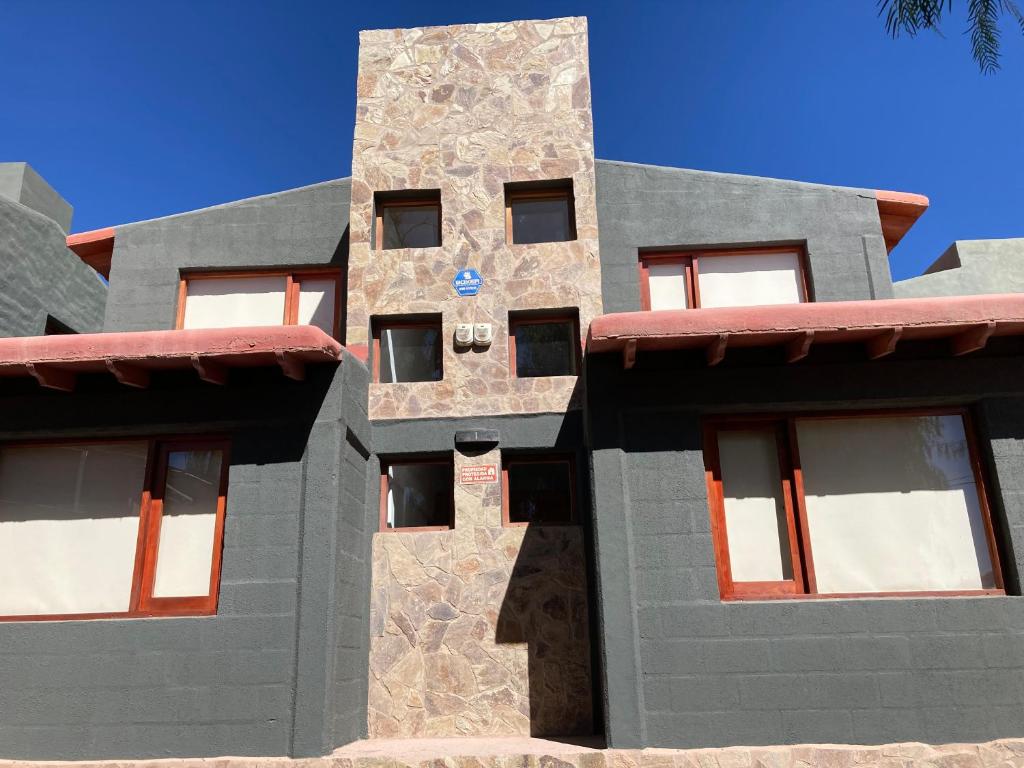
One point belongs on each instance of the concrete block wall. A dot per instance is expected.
(646, 206)
(41, 277)
(21, 183)
(684, 669)
(970, 267)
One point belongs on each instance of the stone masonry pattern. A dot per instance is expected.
(467, 109)
(481, 630)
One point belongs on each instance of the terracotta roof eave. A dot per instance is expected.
(54, 361)
(968, 321)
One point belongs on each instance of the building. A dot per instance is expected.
(494, 438)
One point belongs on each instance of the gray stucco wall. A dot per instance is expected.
(41, 277)
(20, 182)
(299, 227)
(645, 206)
(684, 669)
(970, 267)
(259, 677)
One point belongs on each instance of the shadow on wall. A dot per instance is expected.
(545, 608)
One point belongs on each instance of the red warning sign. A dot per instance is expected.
(477, 475)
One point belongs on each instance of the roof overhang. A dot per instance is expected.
(898, 211)
(95, 248)
(55, 361)
(967, 322)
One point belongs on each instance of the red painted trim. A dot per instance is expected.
(95, 248)
(831, 322)
(898, 212)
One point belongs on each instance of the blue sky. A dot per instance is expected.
(135, 110)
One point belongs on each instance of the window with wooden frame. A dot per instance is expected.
(261, 298)
(417, 494)
(543, 345)
(722, 278)
(409, 219)
(111, 528)
(541, 212)
(538, 490)
(407, 349)
(874, 503)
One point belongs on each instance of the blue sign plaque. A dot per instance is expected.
(467, 282)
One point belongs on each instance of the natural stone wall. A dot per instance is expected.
(465, 109)
(481, 630)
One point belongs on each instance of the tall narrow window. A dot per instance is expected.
(407, 350)
(540, 213)
(417, 494)
(539, 490)
(543, 345)
(219, 300)
(408, 219)
(82, 533)
(757, 276)
(850, 504)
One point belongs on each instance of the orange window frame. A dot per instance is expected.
(514, 321)
(387, 324)
(506, 488)
(386, 464)
(412, 202)
(691, 262)
(142, 603)
(803, 584)
(561, 192)
(292, 291)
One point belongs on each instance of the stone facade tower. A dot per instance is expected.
(481, 628)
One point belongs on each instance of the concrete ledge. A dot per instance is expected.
(524, 752)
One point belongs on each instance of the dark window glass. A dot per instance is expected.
(418, 495)
(545, 349)
(411, 226)
(541, 220)
(410, 354)
(540, 492)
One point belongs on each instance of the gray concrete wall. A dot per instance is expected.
(684, 669)
(970, 267)
(645, 206)
(259, 678)
(41, 277)
(20, 182)
(299, 227)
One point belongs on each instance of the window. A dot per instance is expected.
(543, 345)
(745, 278)
(540, 213)
(417, 494)
(538, 490)
(408, 220)
(232, 300)
(113, 528)
(407, 350)
(849, 504)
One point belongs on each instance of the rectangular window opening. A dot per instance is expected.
(538, 490)
(111, 529)
(406, 350)
(543, 345)
(409, 219)
(543, 212)
(850, 504)
(417, 494)
(722, 278)
(241, 299)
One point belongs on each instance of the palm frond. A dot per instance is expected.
(911, 16)
(983, 25)
(1014, 10)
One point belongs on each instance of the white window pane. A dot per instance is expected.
(755, 513)
(667, 282)
(316, 303)
(185, 555)
(750, 279)
(892, 505)
(229, 302)
(69, 522)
